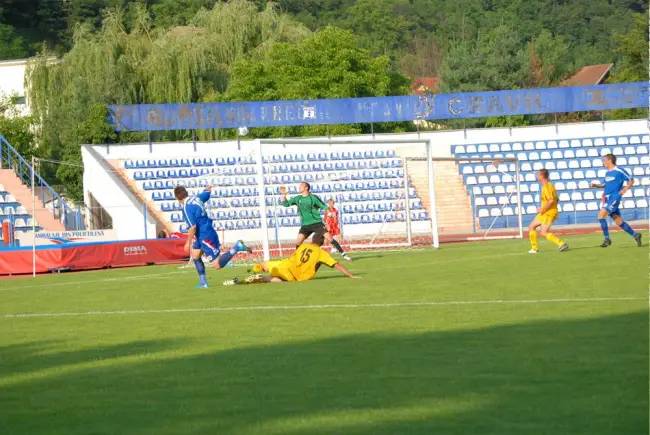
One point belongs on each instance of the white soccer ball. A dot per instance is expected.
(243, 131)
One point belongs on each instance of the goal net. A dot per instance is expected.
(388, 194)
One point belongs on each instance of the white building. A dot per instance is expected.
(12, 82)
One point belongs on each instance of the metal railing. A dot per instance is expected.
(61, 211)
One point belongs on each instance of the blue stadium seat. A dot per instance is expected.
(152, 163)
(158, 185)
(129, 164)
(156, 196)
(138, 175)
(380, 154)
(197, 162)
(168, 196)
(185, 162)
(149, 175)
(174, 163)
(161, 174)
(288, 158)
(165, 206)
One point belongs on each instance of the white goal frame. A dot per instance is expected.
(259, 156)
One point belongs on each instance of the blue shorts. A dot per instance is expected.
(209, 245)
(611, 205)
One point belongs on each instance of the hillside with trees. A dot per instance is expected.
(155, 51)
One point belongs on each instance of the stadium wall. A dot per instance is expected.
(129, 215)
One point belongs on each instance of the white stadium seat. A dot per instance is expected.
(551, 144)
(599, 142)
(587, 142)
(610, 141)
(623, 140)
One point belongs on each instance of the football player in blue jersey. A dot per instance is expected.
(206, 241)
(615, 178)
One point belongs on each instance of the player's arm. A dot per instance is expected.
(547, 206)
(283, 198)
(319, 203)
(190, 237)
(205, 195)
(344, 271)
(597, 185)
(630, 183)
(327, 259)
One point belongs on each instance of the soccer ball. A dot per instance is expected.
(243, 131)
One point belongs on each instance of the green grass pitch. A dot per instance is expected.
(477, 338)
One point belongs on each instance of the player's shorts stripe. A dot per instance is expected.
(206, 242)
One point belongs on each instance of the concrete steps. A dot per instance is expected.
(453, 207)
(161, 222)
(44, 216)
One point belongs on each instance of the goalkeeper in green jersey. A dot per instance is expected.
(309, 207)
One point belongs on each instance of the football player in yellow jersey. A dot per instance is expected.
(546, 215)
(302, 265)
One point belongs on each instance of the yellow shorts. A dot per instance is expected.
(280, 269)
(546, 219)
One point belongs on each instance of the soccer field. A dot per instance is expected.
(478, 338)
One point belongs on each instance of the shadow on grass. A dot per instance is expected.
(555, 377)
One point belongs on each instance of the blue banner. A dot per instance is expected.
(194, 116)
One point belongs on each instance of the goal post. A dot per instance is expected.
(385, 212)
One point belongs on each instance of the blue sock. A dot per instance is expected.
(603, 225)
(628, 229)
(200, 268)
(225, 258)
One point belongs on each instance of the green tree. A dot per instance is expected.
(17, 129)
(130, 61)
(329, 64)
(633, 48)
(12, 46)
(379, 29)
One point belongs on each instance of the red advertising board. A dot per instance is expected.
(85, 256)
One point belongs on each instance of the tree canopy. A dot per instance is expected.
(159, 51)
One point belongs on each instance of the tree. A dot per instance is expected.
(130, 61)
(378, 28)
(12, 46)
(329, 64)
(17, 129)
(495, 61)
(633, 48)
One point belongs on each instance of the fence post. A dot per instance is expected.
(144, 213)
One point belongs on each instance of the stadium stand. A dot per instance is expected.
(574, 164)
(370, 184)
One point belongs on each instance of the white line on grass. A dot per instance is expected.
(155, 276)
(94, 281)
(320, 307)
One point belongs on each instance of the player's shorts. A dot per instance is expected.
(209, 245)
(280, 269)
(546, 219)
(308, 230)
(611, 205)
(334, 230)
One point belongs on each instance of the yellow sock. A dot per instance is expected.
(554, 239)
(532, 235)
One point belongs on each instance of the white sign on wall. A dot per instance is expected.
(66, 237)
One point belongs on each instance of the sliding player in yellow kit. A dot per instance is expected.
(547, 215)
(301, 266)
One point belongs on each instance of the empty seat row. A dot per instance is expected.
(249, 160)
(552, 144)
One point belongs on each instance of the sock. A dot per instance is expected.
(338, 246)
(532, 235)
(628, 229)
(554, 239)
(603, 225)
(225, 258)
(200, 268)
